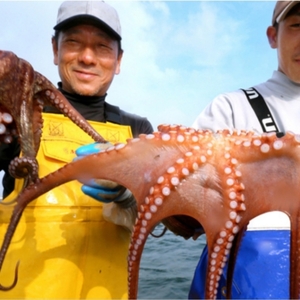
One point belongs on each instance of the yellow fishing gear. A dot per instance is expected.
(65, 247)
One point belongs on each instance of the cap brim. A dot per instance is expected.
(286, 10)
(81, 19)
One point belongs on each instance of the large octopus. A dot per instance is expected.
(23, 93)
(216, 182)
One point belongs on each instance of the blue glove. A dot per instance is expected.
(102, 190)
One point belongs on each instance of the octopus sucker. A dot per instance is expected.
(2, 129)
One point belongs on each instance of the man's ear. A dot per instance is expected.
(272, 36)
(55, 51)
(118, 67)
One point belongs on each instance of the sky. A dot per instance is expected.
(178, 55)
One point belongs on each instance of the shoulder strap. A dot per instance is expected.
(112, 113)
(262, 111)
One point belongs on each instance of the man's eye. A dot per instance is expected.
(296, 25)
(103, 48)
(72, 41)
(102, 45)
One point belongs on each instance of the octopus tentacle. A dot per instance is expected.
(294, 256)
(58, 101)
(21, 167)
(15, 218)
(68, 173)
(222, 242)
(161, 234)
(147, 215)
(231, 262)
(8, 288)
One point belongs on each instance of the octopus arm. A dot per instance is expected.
(135, 166)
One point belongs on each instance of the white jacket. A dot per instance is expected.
(233, 111)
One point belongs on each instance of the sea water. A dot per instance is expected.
(167, 266)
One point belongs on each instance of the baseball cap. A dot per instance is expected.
(281, 9)
(101, 14)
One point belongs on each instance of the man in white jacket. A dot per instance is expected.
(262, 266)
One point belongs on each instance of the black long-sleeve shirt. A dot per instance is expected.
(92, 108)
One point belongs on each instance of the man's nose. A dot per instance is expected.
(87, 56)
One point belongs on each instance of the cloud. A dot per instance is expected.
(170, 57)
(208, 34)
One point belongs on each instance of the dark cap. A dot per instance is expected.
(99, 13)
(282, 8)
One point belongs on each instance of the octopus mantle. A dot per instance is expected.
(218, 180)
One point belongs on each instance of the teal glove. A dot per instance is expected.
(102, 190)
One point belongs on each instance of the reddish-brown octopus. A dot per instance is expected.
(217, 180)
(23, 94)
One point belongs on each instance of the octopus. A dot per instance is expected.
(193, 181)
(23, 94)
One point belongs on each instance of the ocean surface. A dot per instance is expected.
(168, 265)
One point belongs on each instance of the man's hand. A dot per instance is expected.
(102, 190)
(124, 212)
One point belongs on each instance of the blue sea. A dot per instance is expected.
(167, 266)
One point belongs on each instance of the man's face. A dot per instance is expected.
(87, 60)
(287, 42)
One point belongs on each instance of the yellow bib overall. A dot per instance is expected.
(65, 247)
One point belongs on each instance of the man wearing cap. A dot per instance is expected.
(262, 265)
(65, 247)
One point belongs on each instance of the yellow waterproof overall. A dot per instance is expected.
(65, 247)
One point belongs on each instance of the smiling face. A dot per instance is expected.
(87, 60)
(286, 39)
